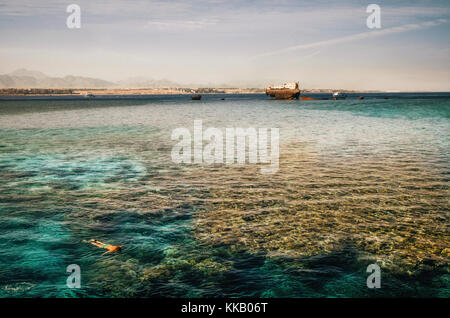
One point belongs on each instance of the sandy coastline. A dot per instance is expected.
(152, 91)
(126, 91)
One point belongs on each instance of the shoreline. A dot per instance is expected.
(152, 91)
(60, 92)
(124, 91)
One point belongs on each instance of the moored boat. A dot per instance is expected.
(339, 95)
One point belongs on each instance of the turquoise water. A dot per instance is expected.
(359, 182)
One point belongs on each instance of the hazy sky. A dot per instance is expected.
(322, 44)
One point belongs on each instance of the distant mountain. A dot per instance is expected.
(24, 72)
(33, 79)
(23, 78)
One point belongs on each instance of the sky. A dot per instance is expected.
(321, 44)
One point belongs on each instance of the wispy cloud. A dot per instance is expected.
(181, 25)
(356, 37)
(312, 54)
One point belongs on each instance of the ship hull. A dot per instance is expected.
(284, 93)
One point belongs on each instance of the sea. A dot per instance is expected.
(359, 182)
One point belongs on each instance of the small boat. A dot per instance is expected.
(339, 95)
(197, 97)
(89, 95)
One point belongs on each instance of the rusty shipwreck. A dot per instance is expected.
(285, 91)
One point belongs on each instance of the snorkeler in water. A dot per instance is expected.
(110, 248)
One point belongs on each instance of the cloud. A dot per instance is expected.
(312, 54)
(356, 37)
(181, 25)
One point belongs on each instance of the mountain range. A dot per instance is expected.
(23, 78)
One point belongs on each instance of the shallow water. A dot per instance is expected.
(359, 182)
